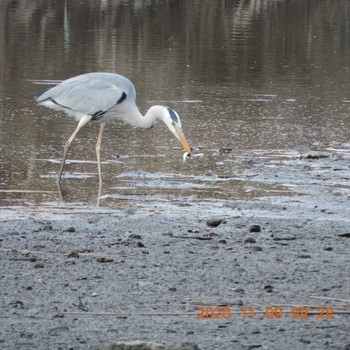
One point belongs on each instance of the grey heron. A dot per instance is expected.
(102, 97)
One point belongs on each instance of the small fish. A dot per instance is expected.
(186, 156)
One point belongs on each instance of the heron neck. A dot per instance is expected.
(135, 118)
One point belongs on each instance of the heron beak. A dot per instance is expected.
(181, 137)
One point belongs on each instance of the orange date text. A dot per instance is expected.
(270, 313)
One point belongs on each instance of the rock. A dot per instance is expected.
(254, 228)
(250, 240)
(39, 266)
(68, 229)
(315, 155)
(215, 222)
(104, 259)
(268, 288)
(135, 236)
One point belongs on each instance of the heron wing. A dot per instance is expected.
(92, 94)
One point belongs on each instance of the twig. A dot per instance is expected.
(126, 314)
(201, 238)
(327, 298)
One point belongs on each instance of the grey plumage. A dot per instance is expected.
(103, 97)
(90, 93)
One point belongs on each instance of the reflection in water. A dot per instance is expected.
(242, 74)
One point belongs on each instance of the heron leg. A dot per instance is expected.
(98, 151)
(82, 122)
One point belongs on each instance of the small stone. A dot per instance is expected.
(104, 259)
(250, 240)
(215, 222)
(239, 291)
(222, 241)
(135, 236)
(254, 228)
(268, 288)
(68, 229)
(39, 266)
(213, 234)
(140, 245)
(328, 249)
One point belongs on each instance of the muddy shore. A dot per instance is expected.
(78, 277)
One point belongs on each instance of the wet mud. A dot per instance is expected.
(268, 272)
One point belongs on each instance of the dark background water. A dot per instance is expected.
(249, 75)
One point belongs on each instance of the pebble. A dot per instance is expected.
(135, 236)
(39, 266)
(68, 229)
(250, 240)
(268, 288)
(254, 228)
(104, 259)
(215, 222)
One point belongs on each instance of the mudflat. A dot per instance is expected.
(270, 272)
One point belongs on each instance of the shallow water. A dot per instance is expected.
(246, 75)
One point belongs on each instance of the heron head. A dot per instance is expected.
(172, 120)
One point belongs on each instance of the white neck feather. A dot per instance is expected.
(135, 118)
